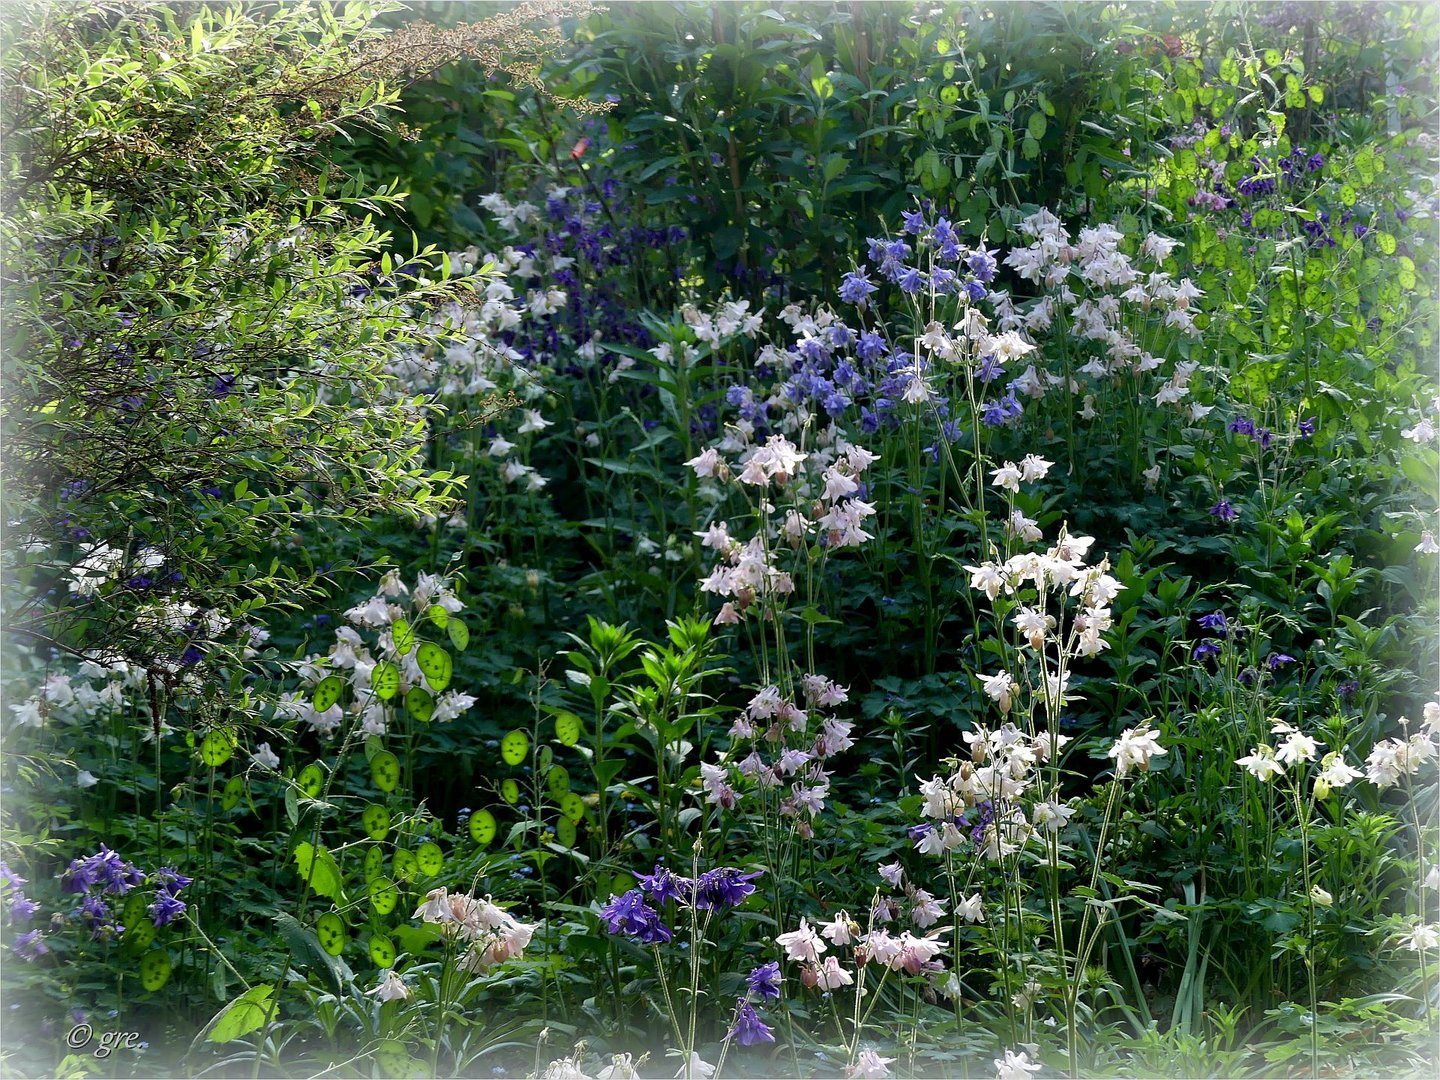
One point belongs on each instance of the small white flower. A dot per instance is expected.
(533, 422)
(1008, 477)
(1422, 937)
(1296, 748)
(869, 1065)
(1261, 763)
(1034, 467)
(1015, 1066)
(696, 1067)
(1320, 897)
(1422, 432)
(1427, 545)
(264, 757)
(971, 909)
(86, 779)
(1134, 749)
(391, 988)
(803, 945)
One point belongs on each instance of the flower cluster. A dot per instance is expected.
(789, 748)
(901, 952)
(29, 945)
(825, 486)
(1117, 309)
(354, 661)
(1389, 761)
(632, 915)
(493, 934)
(977, 805)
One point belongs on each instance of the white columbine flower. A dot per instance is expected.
(1261, 763)
(391, 988)
(802, 945)
(1296, 748)
(1015, 1066)
(265, 757)
(1008, 476)
(1134, 749)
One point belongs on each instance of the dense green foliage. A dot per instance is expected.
(963, 479)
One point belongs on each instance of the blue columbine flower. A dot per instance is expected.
(1216, 623)
(22, 908)
(1224, 511)
(9, 879)
(910, 280)
(166, 909)
(1241, 425)
(664, 885)
(630, 915)
(1205, 650)
(914, 222)
(723, 887)
(1279, 660)
(30, 946)
(764, 981)
(1306, 427)
(749, 1029)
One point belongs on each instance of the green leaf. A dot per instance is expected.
(217, 747)
(233, 793)
(382, 951)
(155, 969)
(376, 821)
(403, 635)
(567, 728)
(385, 771)
(514, 746)
(435, 665)
(482, 827)
(245, 1014)
(330, 931)
(321, 871)
(572, 806)
(557, 781)
(311, 781)
(385, 680)
(327, 692)
(384, 895)
(420, 704)
(459, 634)
(429, 858)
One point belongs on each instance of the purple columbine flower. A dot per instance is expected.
(764, 981)
(1279, 660)
(630, 915)
(664, 885)
(166, 909)
(1224, 511)
(1306, 427)
(911, 280)
(749, 1029)
(22, 908)
(723, 887)
(9, 879)
(1241, 425)
(30, 946)
(1205, 650)
(1216, 623)
(914, 222)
